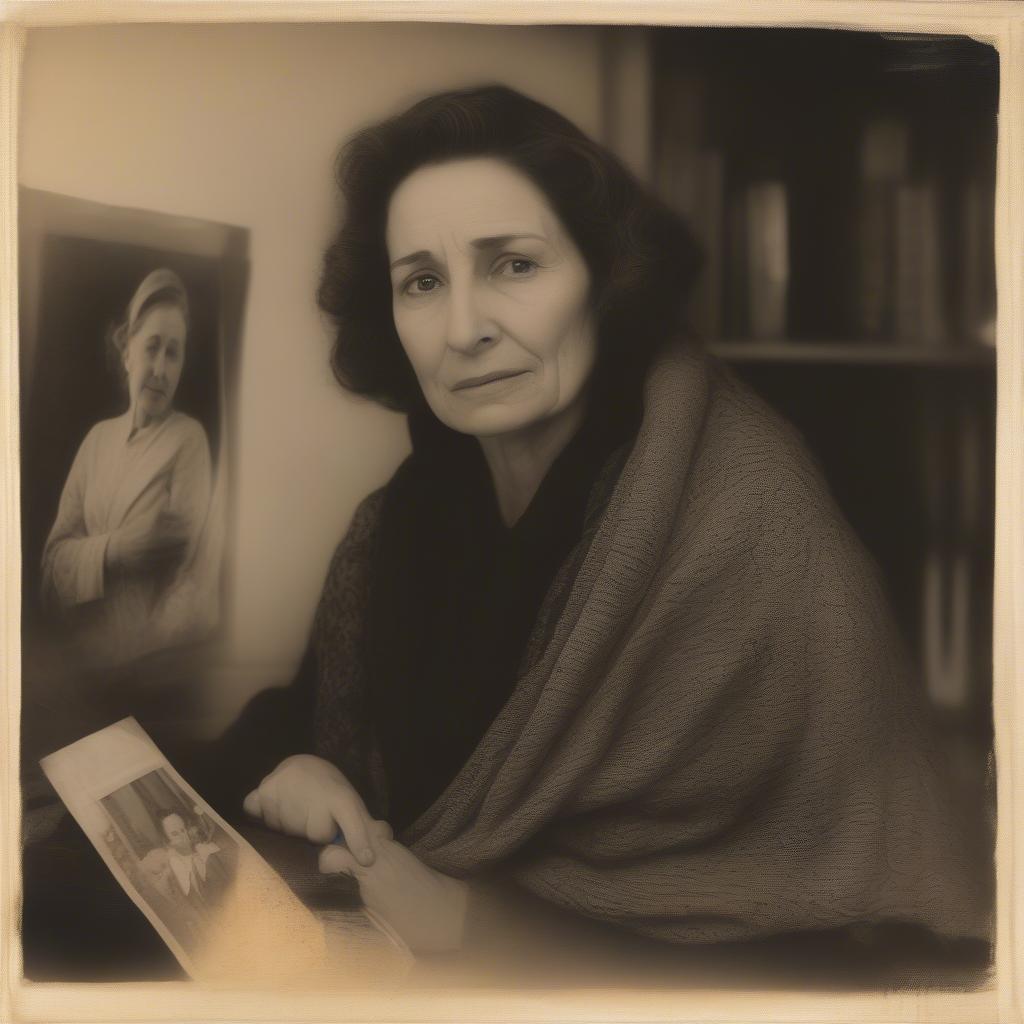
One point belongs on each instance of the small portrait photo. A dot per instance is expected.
(129, 336)
(175, 856)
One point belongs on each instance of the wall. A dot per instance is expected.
(239, 124)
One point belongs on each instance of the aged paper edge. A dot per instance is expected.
(1000, 23)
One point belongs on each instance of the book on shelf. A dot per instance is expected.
(757, 262)
(955, 527)
(946, 627)
(874, 250)
(900, 242)
(884, 164)
(767, 245)
(920, 314)
(978, 301)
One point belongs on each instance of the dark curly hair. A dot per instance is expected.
(641, 256)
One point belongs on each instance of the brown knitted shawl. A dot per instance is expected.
(715, 734)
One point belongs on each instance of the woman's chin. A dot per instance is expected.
(495, 422)
(154, 410)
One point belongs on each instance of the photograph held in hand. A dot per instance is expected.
(224, 914)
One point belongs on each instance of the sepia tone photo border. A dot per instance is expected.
(997, 22)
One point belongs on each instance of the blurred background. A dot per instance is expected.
(841, 183)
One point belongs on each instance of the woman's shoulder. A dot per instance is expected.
(349, 570)
(186, 429)
(358, 536)
(97, 441)
(105, 429)
(768, 488)
(366, 515)
(183, 439)
(698, 412)
(747, 480)
(753, 443)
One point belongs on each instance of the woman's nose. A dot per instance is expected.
(469, 321)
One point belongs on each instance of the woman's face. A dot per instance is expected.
(153, 358)
(490, 297)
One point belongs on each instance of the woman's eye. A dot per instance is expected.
(422, 284)
(517, 266)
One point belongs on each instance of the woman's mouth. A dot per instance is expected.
(487, 378)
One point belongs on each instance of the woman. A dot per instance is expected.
(121, 559)
(604, 638)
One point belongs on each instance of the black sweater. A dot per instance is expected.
(454, 595)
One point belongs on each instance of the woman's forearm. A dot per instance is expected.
(76, 569)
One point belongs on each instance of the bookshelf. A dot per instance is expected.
(852, 353)
(842, 186)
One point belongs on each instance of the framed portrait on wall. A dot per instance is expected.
(130, 338)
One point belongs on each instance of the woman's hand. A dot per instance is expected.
(307, 796)
(426, 908)
(149, 543)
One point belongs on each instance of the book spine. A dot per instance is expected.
(884, 162)
(933, 328)
(736, 315)
(876, 247)
(920, 314)
(953, 589)
(767, 257)
(978, 303)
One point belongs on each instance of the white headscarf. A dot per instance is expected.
(158, 281)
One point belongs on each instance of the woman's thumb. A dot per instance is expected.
(348, 811)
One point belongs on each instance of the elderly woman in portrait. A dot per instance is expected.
(604, 638)
(121, 559)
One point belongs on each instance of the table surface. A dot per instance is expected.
(78, 925)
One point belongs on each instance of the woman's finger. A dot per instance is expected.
(382, 831)
(270, 808)
(320, 827)
(251, 804)
(352, 818)
(337, 860)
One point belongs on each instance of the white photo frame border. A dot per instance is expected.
(999, 23)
